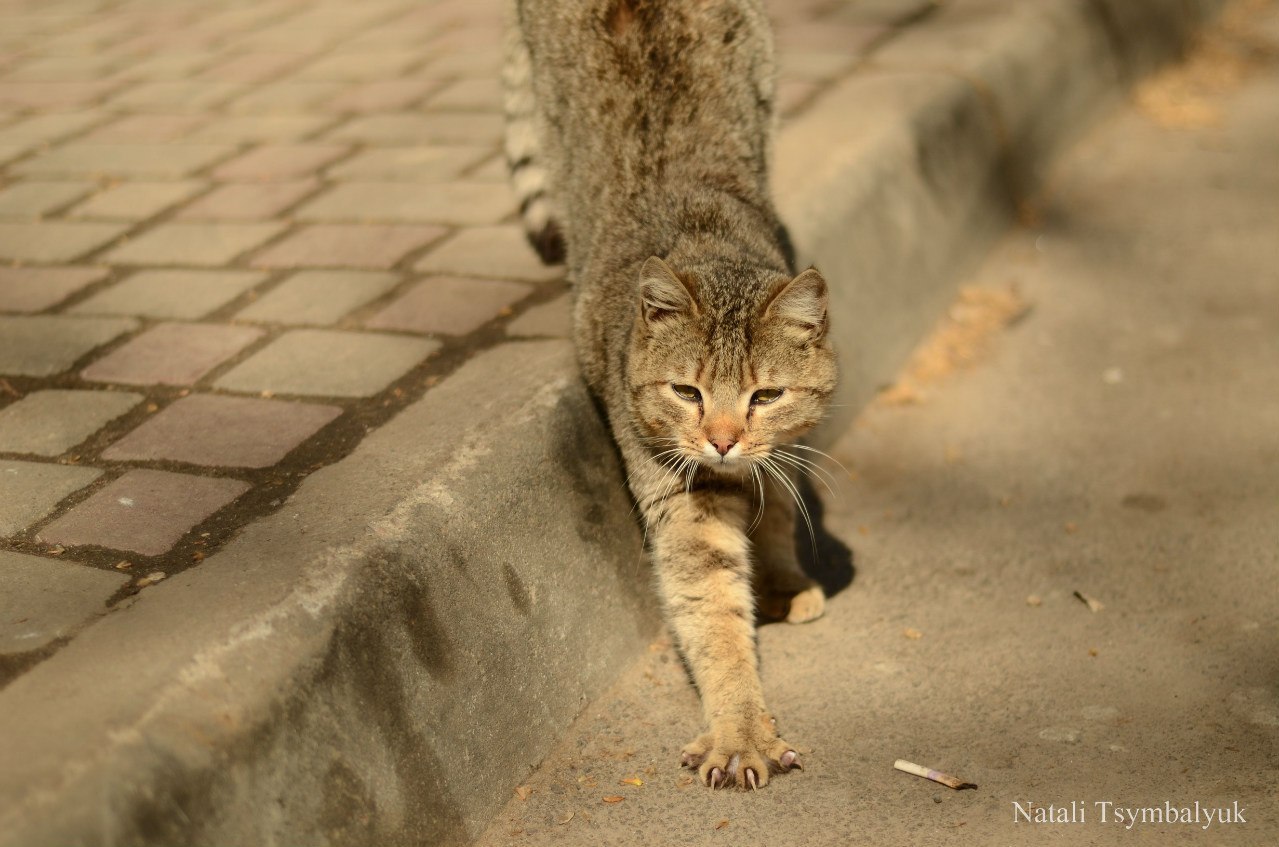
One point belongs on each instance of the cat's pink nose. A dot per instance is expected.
(723, 445)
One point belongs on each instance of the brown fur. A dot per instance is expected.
(638, 134)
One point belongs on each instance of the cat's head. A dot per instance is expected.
(728, 362)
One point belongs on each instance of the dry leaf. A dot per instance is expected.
(613, 798)
(1071, 527)
(912, 633)
(523, 791)
(632, 780)
(1034, 600)
(685, 781)
(565, 819)
(721, 824)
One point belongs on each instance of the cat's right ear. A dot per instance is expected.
(663, 295)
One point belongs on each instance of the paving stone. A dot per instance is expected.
(337, 245)
(51, 422)
(136, 201)
(30, 490)
(828, 36)
(248, 201)
(493, 170)
(48, 128)
(43, 345)
(500, 252)
(45, 600)
(62, 68)
(36, 198)
(186, 294)
(54, 241)
(171, 354)
(144, 511)
(319, 297)
(166, 66)
(455, 202)
(52, 96)
(382, 95)
(326, 363)
(815, 65)
(449, 306)
(124, 160)
(194, 243)
(229, 432)
(483, 94)
(10, 152)
(36, 289)
(147, 128)
(291, 96)
(549, 320)
(175, 96)
(414, 128)
(360, 67)
(434, 163)
(238, 129)
(280, 161)
(253, 67)
(479, 62)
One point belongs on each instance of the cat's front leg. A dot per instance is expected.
(701, 554)
(785, 592)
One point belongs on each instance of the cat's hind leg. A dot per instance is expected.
(785, 592)
(524, 147)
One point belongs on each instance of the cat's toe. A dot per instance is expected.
(807, 605)
(694, 752)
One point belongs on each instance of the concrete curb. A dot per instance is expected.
(384, 658)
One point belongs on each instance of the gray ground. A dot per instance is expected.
(1123, 441)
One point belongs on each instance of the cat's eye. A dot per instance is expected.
(765, 396)
(687, 392)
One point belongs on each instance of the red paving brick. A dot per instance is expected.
(51, 422)
(347, 246)
(247, 201)
(144, 511)
(280, 161)
(218, 431)
(36, 289)
(448, 305)
(324, 363)
(171, 354)
(187, 294)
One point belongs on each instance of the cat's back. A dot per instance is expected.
(642, 98)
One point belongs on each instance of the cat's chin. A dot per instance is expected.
(735, 468)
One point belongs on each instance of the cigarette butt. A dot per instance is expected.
(928, 773)
(1092, 603)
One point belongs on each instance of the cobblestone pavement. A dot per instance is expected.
(235, 237)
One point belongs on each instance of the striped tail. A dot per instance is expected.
(523, 147)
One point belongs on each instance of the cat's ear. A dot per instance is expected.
(663, 294)
(801, 303)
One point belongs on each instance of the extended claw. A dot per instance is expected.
(791, 760)
(716, 777)
(751, 780)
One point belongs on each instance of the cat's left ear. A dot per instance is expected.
(662, 293)
(801, 303)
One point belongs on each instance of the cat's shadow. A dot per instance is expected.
(828, 560)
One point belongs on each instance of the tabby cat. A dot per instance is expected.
(637, 138)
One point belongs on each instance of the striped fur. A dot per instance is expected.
(638, 139)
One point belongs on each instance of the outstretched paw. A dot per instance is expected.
(807, 605)
(744, 763)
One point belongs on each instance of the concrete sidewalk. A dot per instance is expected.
(288, 501)
(1120, 439)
